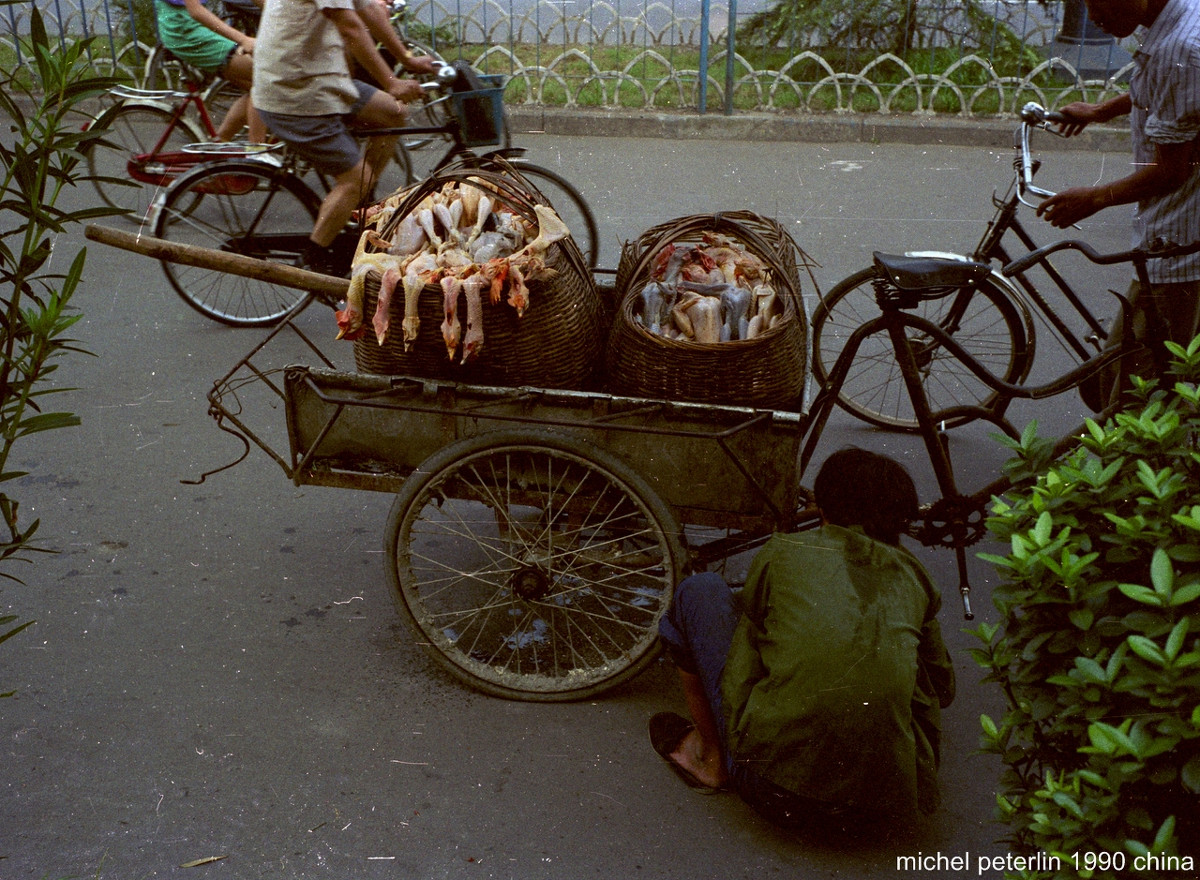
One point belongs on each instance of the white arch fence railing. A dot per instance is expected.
(687, 55)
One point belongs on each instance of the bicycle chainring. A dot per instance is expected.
(955, 521)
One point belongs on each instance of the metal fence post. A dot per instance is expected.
(703, 96)
(730, 44)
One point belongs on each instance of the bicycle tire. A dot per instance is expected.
(534, 566)
(243, 207)
(163, 70)
(568, 203)
(133, 129)
(992, 329)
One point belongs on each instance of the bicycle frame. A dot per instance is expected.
(158, 168)
(991, 249)
(991, 246)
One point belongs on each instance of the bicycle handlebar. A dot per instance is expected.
(1033, 115)
(1137, 255)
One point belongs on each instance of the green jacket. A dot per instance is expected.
(834, 681)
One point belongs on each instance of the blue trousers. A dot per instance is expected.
(698, 631)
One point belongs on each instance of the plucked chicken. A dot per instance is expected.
(714, 291)
(462, 238)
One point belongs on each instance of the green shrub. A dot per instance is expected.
(42, 157)
(1098, 650)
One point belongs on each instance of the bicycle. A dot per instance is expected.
(265, 209)
(990, 317)
(145, 136)
(902, 286)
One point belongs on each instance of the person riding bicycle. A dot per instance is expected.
(815, 692)
(1164, 104)
(305, 93)
(197, 36)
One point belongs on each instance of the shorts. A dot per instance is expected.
(190, 41)
(325, 141)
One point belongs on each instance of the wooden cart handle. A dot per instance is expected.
(324, 286)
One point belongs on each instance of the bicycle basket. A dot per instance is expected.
(479, 111)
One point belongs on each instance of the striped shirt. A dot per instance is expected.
(1165, 90)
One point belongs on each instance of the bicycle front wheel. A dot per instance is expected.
(982, 319)
(139, 153)
(242, 207)
(568, 203)
(534, 567)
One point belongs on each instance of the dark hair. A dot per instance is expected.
(856, 487)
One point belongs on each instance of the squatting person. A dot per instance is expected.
(816, 689)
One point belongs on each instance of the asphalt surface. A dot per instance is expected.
(217, 670)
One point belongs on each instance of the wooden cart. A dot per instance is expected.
(536, 535)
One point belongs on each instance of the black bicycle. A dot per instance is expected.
(906, 290)
(992, 317)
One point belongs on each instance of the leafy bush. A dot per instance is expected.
(41, 158)
(1098, 650)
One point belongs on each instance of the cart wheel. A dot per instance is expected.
(537, 568)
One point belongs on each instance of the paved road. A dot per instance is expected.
(217, 670)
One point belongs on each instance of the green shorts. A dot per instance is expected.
(190, 41)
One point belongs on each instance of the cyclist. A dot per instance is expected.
(199, 37)
(308, 99)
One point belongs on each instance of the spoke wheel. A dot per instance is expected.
(249, 208)
(535, 568)
(136, 156)
(984, 321)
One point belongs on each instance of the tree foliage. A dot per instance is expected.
(895, 26)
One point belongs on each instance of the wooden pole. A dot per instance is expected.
(323, 286)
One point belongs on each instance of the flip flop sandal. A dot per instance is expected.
(667, 731)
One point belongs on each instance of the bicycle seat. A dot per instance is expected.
(929, 276)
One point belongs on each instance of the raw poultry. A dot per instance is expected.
(715, 291)
(461, 237)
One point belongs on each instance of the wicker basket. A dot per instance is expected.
(557, 343)
(767, 371)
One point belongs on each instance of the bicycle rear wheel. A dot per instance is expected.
(983, 320)
(139, 153)
(568, 203)
(243, 207)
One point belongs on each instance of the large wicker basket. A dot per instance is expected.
(767, 371)
(557, 343)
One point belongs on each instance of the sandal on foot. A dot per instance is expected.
(667, 731)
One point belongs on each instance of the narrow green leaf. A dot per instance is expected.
(1147, 649)
(1162, 572)
(1190, 774)
(1175, 639)
(988, 725)
(1186, 594)
(1138, 593)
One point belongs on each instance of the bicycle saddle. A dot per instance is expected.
(918, 274)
